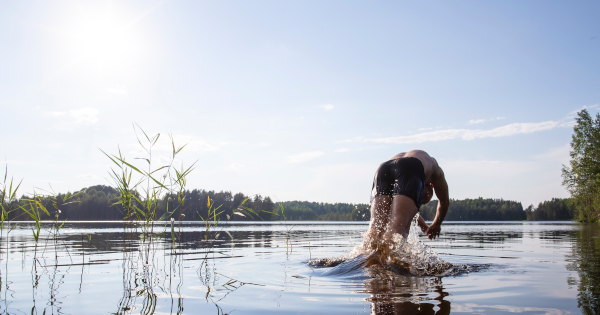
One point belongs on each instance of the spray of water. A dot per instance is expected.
(403, 255)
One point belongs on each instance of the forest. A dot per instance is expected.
(555, 210)
(477, 210)
(98, 203)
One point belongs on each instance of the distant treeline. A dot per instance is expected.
(553, 210)
(477, 210)
(502, 210)
(98, 203)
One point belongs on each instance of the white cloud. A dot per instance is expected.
(476, 121)
(84, 115)
(327, 107)
(305, 156)
(56, 113)
(480, 121)
(584, 107)
(510, 129)
(469, 134)
(342, 150)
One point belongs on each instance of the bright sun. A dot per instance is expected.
(98, 40)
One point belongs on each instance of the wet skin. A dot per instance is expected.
(394, 214)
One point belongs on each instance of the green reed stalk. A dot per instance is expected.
(140, 198)
(8, 203)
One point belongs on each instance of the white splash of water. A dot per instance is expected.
(404, 253)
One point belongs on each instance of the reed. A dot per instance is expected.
(8, 203)
(141, 189)
(143, 184)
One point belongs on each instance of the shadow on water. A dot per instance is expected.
(585, 260)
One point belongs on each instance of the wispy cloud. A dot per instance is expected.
(468, 134)
(84, 115)
(341, 150)
(476, 121)
(304, 156)
(327, 107)
(481, 121)
(584, 107)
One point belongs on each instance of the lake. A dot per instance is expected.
(262, 268)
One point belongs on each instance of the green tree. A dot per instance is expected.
(582, 178)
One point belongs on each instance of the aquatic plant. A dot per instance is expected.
(8, 203)
(141, 189)
(8, 200)
(140, 195)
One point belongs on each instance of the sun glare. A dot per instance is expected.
(99, 41)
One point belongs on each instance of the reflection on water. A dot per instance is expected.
(406, 295)
(586, 261)
(529, 268)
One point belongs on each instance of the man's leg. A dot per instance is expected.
(380, 217)
(403, 211)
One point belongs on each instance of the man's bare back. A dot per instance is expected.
(392, 210)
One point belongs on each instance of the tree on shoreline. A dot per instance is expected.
(557, 209)
(582, 178)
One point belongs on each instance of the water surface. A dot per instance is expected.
(96, 268)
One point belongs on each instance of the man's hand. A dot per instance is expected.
(433, 231)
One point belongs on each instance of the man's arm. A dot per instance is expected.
(440, 187)
(422, 224)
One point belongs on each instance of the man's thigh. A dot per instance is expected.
(380, 212)
(402, 213)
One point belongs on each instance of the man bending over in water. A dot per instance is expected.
(400, 186)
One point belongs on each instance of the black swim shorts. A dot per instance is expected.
(403, 176)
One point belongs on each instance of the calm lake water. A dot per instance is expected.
(96, 268)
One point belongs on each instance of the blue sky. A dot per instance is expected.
(299, 100)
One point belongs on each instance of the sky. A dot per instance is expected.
(298, 100)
